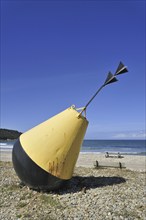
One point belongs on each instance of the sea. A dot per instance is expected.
(129, 147)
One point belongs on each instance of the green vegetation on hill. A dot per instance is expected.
(9, 134)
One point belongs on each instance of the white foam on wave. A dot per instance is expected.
(90, 152)
(6, 146)
(3, 144)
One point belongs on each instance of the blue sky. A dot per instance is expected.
(58, 53)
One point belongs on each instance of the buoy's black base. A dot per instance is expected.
(31, 174)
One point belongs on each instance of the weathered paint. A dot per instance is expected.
(31, 174)
(54, 145)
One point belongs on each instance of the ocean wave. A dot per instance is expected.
(113, 152)
(3, 144)
(5, 149)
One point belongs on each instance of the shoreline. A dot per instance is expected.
(110, 152)
(132, 162)
(9, 149)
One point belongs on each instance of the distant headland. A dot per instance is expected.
(7, 134)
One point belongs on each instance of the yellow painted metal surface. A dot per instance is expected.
(54, 145)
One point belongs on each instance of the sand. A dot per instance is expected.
(6, 155)
(132, 162)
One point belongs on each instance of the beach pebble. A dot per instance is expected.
(110, 194)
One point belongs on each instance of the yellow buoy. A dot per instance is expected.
(45, 156)
(53, 146)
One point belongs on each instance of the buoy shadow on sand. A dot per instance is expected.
(82, 184)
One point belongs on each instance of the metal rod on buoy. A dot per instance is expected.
(110, 79)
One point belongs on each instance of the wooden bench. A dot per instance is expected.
(118, 155)
(98, 164)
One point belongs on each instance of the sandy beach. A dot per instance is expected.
(105, 193)
(132, 162)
